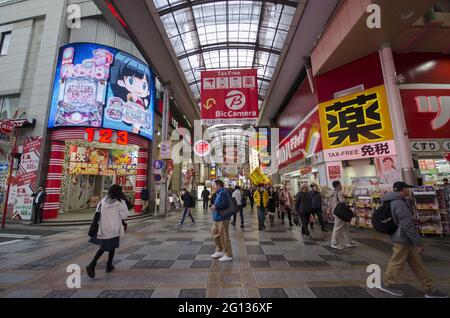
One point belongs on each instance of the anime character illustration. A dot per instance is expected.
(82, 88)
(131, 87)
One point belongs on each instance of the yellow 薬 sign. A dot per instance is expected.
(356, 119)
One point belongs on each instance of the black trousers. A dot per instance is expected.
(37, 213)
(241, 214)
(318, 212)
(304, 217)
(99, 254)
(205, 204)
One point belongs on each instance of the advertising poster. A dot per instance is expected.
(388, 171)
(122, 162)
(354, 120)
(229, 96)
(334, 171)
(26, 178)
(304, 141)
(100, 86)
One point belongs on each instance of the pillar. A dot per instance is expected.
(54, 180)
(397, 115)
(141, 179)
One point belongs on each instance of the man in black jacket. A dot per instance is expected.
(303, 209)
(205, 197)
(316, 205)
(188, 203)
(38, 204)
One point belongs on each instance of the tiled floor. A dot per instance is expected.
(158, 259)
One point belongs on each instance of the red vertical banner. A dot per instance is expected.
(141, 179)
(54, 180)
(229, 97)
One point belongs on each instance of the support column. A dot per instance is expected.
(141, 179)
(164, 138)
(397, 115)
(54, 180)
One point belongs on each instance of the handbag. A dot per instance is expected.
(244, 202)
(230, 210)
(343, 211)
(93, 229)
(296, 219)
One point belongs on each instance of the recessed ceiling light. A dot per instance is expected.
(407, 15)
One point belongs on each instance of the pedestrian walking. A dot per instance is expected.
(38, 204)
(407, 245)
(286, 204)
(220, 229)
(205, 198)
(188, 204)
(237, 195)
(261, 199)
(340, 237)
(316, 205)
(303, 209)
(272, 205)
(113, 211)
(145, 195)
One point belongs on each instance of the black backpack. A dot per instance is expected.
(382, 219)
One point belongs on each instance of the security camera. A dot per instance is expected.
(400, 79)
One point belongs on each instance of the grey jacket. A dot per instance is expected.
(402, 214)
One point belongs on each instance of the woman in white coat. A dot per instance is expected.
(113, 210)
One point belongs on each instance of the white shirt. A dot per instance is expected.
(238, 196)
(36, 200)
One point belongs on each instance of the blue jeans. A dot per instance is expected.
(187, 211)
(261, 217)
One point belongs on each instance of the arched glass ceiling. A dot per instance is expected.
(209, 35)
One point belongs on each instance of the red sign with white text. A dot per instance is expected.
(229, 97)
(302, 142)
(427, 113)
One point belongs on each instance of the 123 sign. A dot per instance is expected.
(107, 136)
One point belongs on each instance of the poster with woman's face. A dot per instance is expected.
(388, 171)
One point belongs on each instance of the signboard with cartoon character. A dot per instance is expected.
(100, 86)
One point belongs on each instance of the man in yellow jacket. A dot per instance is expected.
(261, 198)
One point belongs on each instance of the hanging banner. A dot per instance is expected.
(229, 97)
(26, 178)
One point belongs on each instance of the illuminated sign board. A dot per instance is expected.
(102, 87)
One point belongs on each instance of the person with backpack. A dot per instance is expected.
(237, 196)
(113, 211)
(340, 236)
(261, 199)
(407, 245)
(303, 209)
(220, 229)
(188, 203)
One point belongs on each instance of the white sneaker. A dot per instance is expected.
(217, 255)
(337, 247)
(225, 259)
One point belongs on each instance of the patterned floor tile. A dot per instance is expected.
(207, 250)
(187, 257)
(146, 293)
(340, 292)
(148, 264)
(331, 258)
(254, 250)
(272, 293)
(259, 264)
(201, 264)
(274, 257)
(192, 293)
(60, 294)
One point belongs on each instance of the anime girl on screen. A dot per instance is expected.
(130, 81)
